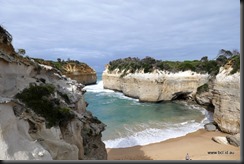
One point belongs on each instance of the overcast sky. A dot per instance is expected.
(98, 31)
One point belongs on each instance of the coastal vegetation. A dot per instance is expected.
(62, 64)
(5, 36)
(148, 64)
(39, 99)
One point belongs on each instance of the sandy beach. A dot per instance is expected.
(198, 145)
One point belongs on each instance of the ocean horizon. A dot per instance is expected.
(132, 123)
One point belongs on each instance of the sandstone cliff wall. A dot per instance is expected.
(83, 78)
(223, 94)
(81, 72)
(226, 100)
(156, 86)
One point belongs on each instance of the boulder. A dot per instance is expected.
(210, 127)
(220, 140)
(234, 139)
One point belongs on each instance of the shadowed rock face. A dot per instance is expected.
(23, 133)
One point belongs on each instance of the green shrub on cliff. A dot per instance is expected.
(235, 64)
(38, 98)
(148, 64)
(5, 36)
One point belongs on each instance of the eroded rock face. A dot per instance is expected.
(223, 97)
(226, 100)
(15, 141)
(84, 78)
(82, 73)
(24, 135)
(204, 98)
(156, 86)
(75, 70)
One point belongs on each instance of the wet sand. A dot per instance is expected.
(198, 145)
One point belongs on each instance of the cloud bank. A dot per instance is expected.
(97, 31)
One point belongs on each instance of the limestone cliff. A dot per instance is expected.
(73, 69)
(223, 95)
(24, 132)
(226, 100)
(221, 92)
(156, 86)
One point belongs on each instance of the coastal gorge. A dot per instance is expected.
(43, 112)
(214, 84)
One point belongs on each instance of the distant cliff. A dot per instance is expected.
(214, 84)
(43, 114)
(155, 86)
(73, 69)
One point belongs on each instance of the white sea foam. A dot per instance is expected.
(97, 88)
(157, 132)
(145, 133)
(154, 135)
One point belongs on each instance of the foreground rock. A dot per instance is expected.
(220, 140)
(234, 139)
(24, 134)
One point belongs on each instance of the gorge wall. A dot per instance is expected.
(156, 86)
(24, 134)
(79, 71)
(226, 100)
(223, 93)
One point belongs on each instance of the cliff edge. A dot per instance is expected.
(43, 113)
(79, 71)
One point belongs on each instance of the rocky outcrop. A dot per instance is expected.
(15, 141)
(155, 86)
(82, 73)
(75, 70)
(84, 78)
(24, 134)
(226, 100)
(222, 97)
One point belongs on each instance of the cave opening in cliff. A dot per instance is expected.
(210, 108)
(181, 96)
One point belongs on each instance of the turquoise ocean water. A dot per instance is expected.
(131, 123)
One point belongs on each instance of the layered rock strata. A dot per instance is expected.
(156, 86)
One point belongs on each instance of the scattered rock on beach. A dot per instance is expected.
(210, 127)
(220, 140)
(234, 139)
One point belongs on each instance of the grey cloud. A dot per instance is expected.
(109, 29)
